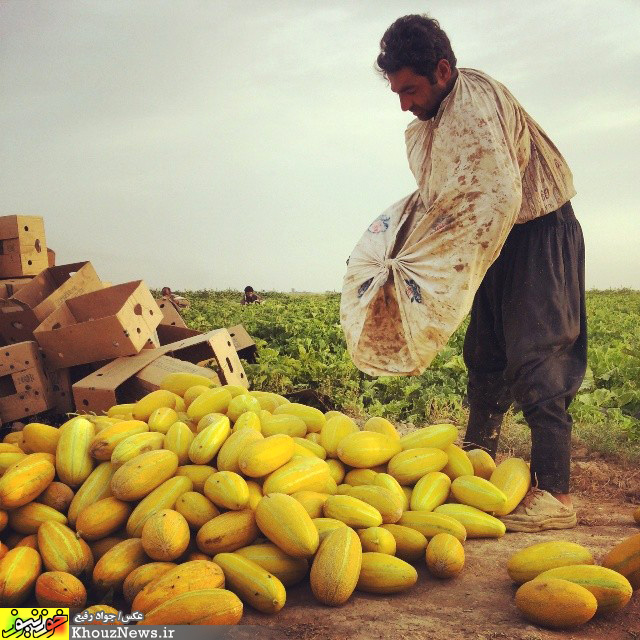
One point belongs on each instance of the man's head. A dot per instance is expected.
(417, 59)
(166, 291)
(248, 289)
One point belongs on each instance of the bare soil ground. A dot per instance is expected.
(478, 604)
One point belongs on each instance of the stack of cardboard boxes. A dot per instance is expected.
(71, 341)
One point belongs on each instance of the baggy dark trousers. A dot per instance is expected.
(527, 341)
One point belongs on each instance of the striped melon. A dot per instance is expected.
(165, 535)
(141, 475)
(410, 544)
(25, 480)
(94, 488)
(352, 511)
(445, 556)
(196, 508)
(625, 556)
(478, 492)
(60, 589)
(381, 425)
(382, 573)
(409, 466)
(228, 531)
(288, 570)
(284, 521)
(366, 449)
(19, 570)
(187, 577)
(513, 478)
(477, 524)
(336, 567)
(430, 491)
(430, 523)
(163, 497)
(610, 588)
(205, 606)
(555, 603)
(483, 464)
(526, 564)
(117, 563)
(438, 436)
(139, 578)
(255, 585)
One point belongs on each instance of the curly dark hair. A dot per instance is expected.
(417, 42)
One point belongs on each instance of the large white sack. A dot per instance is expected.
(398, 312)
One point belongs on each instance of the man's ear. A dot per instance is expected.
(443, 71)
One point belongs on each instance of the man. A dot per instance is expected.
(526, 340)
(179, 302)
(250, 296)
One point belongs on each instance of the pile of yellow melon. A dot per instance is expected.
(563, 588)
(197, 499)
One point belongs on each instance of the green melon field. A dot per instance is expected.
(303, 353)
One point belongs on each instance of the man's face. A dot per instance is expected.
(416, 92)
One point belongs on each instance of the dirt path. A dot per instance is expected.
(478, 604)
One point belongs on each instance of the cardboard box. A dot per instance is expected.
(23, 248)
(243, 342)
(24, 387)
(168, 333)
(104, 324)
(37, 299)
(150, 377)
(170, 315)
(127, 379)
(12, 285)
(61, 381)
(61, 392)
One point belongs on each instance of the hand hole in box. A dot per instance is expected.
(26, 362)
(26, 228)
(138, 309)
(228, 344)
(37, 245)
(126, 333)
(99, 374)
(12, 366)
(85, 403)
(36, 393)
(242, 375)
(229, 365)
(6, 353)
(138, 329)
(16, 325)
(29, 262)
(173, 324)
(161, 305)
(28, 387)
(57, 325)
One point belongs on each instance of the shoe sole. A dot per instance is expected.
(564, 522)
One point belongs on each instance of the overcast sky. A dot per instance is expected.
(220, 143)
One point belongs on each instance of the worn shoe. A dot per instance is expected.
(540, 511)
